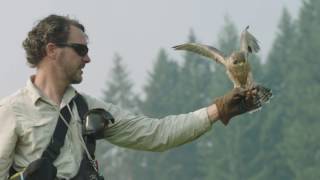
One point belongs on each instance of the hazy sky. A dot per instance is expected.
(136, 29)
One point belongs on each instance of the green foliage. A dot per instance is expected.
(274, 116)
(119, 87)
(300, 144)
(301, 150)
(161, 87)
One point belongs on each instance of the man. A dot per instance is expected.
(57, 48)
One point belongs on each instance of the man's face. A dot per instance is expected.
(71, 61)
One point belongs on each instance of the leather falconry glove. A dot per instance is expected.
(236, 102)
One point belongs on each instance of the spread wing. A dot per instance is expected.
(248, 43)
(203, 50)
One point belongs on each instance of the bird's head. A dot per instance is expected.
(238, 58)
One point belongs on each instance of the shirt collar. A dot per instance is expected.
(36, 94)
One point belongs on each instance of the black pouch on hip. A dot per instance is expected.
(39, 169)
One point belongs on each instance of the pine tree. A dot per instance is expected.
(120, 87)
(118, 162)
(300, 144)
(275, 115)
(160, 88)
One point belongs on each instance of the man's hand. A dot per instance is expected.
(236, 102)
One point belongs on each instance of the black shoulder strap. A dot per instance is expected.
(59, 134)
(82, 107)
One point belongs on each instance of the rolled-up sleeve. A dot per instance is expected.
(8, 139)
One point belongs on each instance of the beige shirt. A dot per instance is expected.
(28, 119)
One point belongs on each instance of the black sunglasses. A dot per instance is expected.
(80, 49)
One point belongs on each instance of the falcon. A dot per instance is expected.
(236, 64)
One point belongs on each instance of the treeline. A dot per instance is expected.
(280, 142)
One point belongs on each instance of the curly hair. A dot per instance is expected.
(51, 29)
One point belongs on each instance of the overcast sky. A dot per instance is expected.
(136, 29)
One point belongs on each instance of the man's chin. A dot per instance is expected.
(77, 80)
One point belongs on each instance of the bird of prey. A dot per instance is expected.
(237, 64)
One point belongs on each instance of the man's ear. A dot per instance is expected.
(51, 50)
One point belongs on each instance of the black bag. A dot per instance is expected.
(40, 169)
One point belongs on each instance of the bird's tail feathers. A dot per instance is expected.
(264, 94)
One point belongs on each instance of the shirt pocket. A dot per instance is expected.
(37, 134)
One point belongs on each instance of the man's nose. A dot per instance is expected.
(86, 59)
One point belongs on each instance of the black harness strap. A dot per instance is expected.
(59, 134)
(88, 169)
(82, 107)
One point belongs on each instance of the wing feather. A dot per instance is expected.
(248, 43)
(204, 50)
